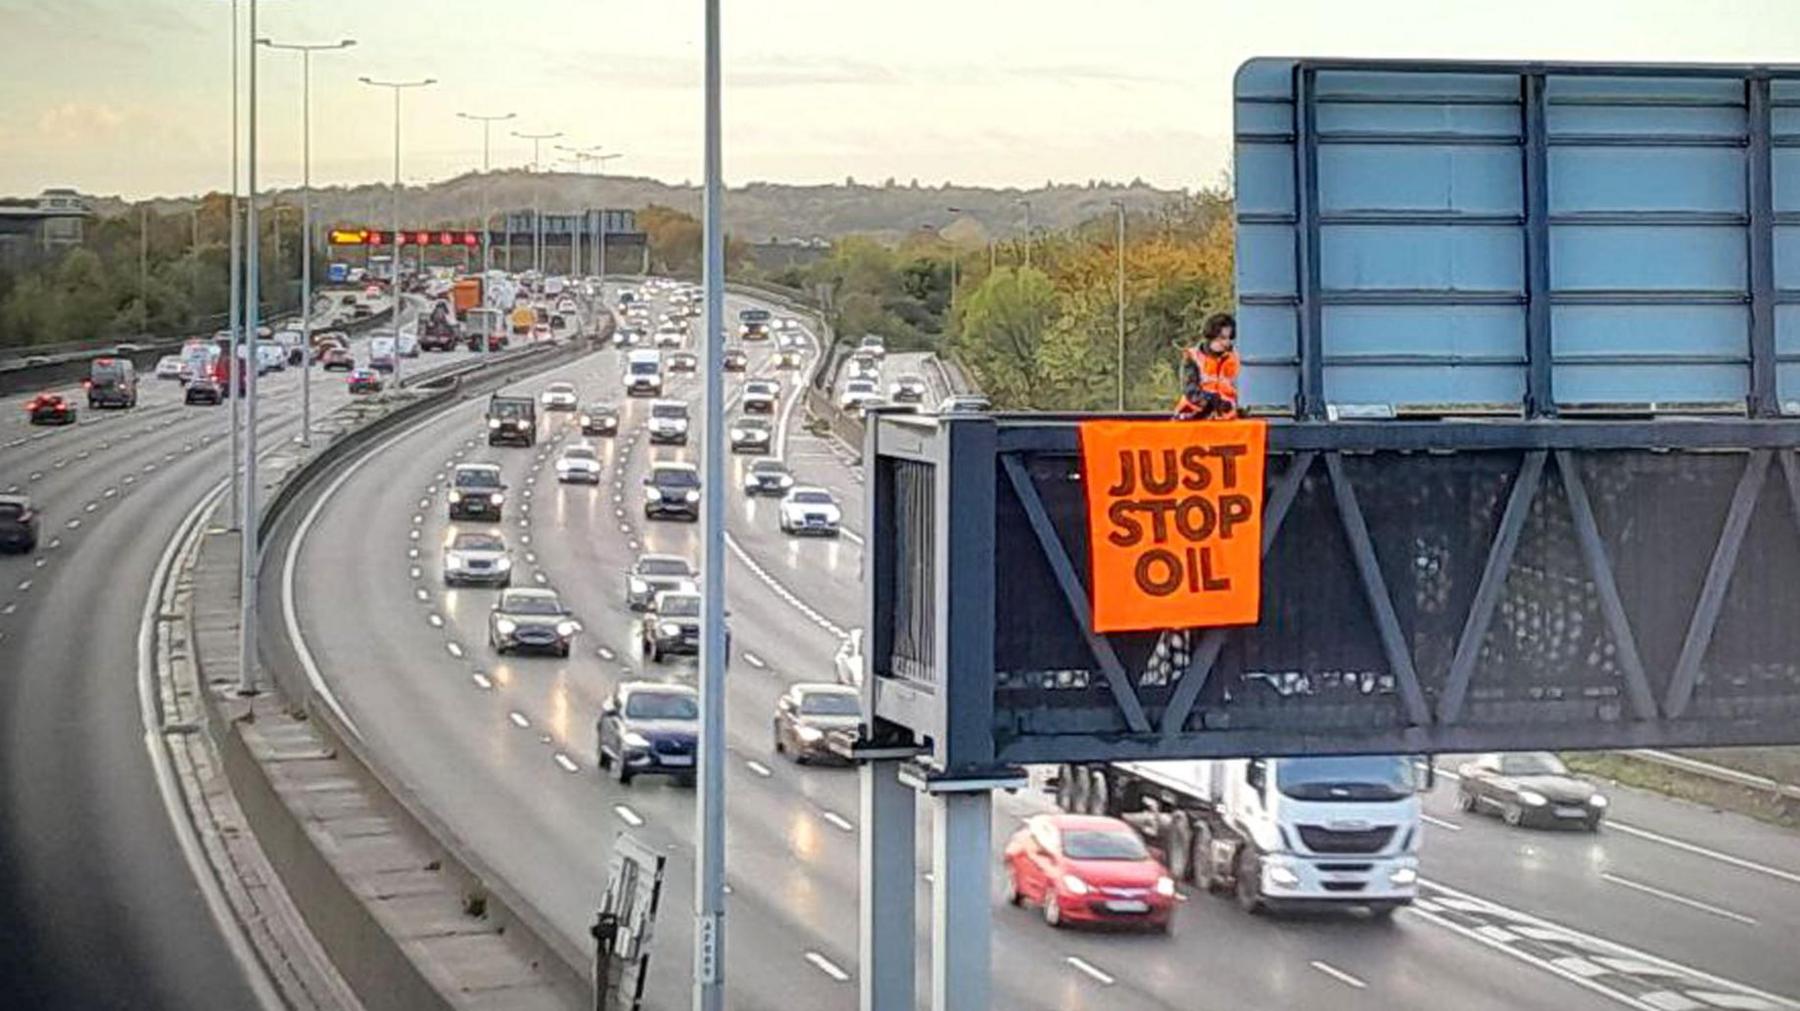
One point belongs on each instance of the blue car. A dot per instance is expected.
(650, 729)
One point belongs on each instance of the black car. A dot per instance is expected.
(600, 419)
(511, 419)
(531, 620)
(807, 716)
(1529, 788)
(735, 360)
(203, 390)
(767, 476)
(18, 524)
(50, 409)
(684, 361)
(672, 489)
(652, 574)
(671, 626)
(476, 492)
(647, 728)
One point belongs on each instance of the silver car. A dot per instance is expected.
(654, 574)
(477, 557)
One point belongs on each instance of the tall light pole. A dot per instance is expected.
(394, 280)
(248, 549)
(580, 156)
(487, 260)
(1027, 205)
(600, 163)
(1119, 205)
(306, 224)
(709, 812)
(236, 310)
(537, 210)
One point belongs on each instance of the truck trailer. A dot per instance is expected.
(1277, 833)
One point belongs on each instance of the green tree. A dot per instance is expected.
(1003, 323)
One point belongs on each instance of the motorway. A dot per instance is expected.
(102, 909)
(1670, 907)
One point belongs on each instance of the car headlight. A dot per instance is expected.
(585, 420)
(493, 422)
(833, 517)
(633, 739)
(496, 498)
(787, 482)
(1403, 876)
(809, 734)
(669, 628)
(1597, 801)
(1165, 885)
(692, 496)
(638, 586)
(503, 564)
(1074, 885)
(453, 561)
(1532, 798)
(566, 628)
(455, 496)
(1283, 875)
(653, 493)
(506, 626)
(738, 434)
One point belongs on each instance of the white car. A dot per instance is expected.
(169, 367)
(863, 367)
(760, 396)
(809, 509)
(848, 660)
(668, 422)
(907, 390)
(873, 347)
(559, 397)
(476, 556)
(409, 344)
(670, 337)
(856, 391)
(751, 435)
(578, 463)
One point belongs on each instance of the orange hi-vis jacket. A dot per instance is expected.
(1209, 385)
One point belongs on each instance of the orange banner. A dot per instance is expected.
(1174, 522)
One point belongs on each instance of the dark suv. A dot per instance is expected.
(476, 492)
(672, 489)
(112, 382)
(648, 728)
(511, 419)
(18, 524)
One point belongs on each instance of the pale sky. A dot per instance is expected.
(133, 96)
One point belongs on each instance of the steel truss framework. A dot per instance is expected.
(1435, 586)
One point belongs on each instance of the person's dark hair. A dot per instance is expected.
(1216, 324)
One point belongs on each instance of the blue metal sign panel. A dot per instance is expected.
(1518, 238)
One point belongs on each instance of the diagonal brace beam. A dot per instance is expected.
(1493, 582)
(1206, 654)
(1381, 605)
(1075, 595)
(1718, 580)
(1593, 552)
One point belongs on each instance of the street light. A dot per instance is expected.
(1119, 205)
(394, 276)
(580, 156)
(537, 210)
(600, 164)
(306, 226)
(1027, 205)
(487, 262)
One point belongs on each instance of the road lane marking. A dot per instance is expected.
(1614, 825)
(437, 621)
(758, 768)
(412, 552)
(25, 586)
(1440, 823)
(90, 507)
(827, 966)
(1089, 969)
(1338, 974)
(567, 763)
(628, 816)
(839, 820)
(519, 719)
(755, 661)
(74, 524)
(421, 594)
(454, 650)
(1681, 899)
(414, 572)
(481, 681)
(604, 653)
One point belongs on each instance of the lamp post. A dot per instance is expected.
(1027, 205)
(487, 261)
(394, 280)
(600, 165)
(537, 211)
(581, 156)
(1119, 205)
(236, 310)
(248, 549)
(306, 223)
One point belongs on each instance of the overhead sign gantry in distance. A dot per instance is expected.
(1526, 343)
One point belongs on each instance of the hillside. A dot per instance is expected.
(756, 211)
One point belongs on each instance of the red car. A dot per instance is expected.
(50, 409)
(1086, 869)
(365, 381)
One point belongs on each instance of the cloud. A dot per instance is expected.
(79, 122)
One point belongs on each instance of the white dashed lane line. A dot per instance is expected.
(839, 821)
(453, 649)
(628, 816)
(519, 719)
(827, 966)
(481, 681)
(1440, 823)
(1090, 970)
(1675, 898)
(758, 768)
(567, 763)
(755, 661)
(1338, 974)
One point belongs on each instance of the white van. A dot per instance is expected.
(643, 373)
(381, 354)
